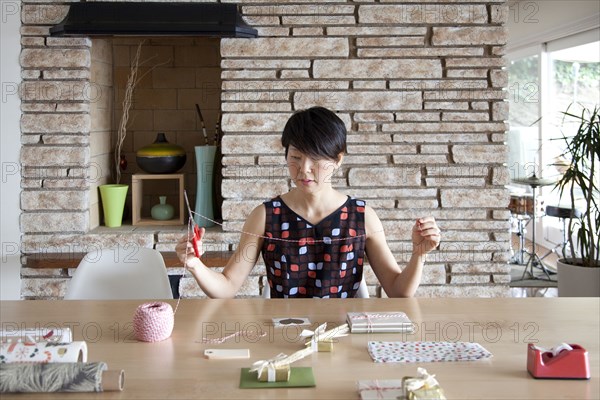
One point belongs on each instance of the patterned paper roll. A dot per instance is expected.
(153, 322)
(40, 334)
(43, 352)
(59, 377)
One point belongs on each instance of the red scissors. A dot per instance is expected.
(196, 239)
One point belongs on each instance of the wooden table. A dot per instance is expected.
(176, 368)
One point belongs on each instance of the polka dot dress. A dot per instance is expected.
(322, 260)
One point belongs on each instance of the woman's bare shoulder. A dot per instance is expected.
(259, 211)
(255, 222)
(372, 222)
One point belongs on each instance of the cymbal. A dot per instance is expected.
(534, 181)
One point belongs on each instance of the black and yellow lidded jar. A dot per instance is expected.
(161, 157)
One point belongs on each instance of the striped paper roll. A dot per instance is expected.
(43, 352)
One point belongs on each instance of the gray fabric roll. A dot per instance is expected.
(51, 377)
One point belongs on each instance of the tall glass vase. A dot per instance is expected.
(205, 164)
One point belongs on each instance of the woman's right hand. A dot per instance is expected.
(185, 252)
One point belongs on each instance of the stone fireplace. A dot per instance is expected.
(420, 86)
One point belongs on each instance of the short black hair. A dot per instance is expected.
(316, 132)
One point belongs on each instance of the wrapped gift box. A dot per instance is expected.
(282, 374)
(380, 389)
(381, 321)
(422, 393)
(323, 345)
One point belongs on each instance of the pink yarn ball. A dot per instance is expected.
(153, 322)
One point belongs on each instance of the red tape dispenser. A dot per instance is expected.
(566, 361)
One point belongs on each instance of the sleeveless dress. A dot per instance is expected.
(324, 260)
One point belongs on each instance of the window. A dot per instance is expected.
(524, 111)
(544, 82)
(573, 83)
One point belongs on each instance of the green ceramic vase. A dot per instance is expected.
(162, 211)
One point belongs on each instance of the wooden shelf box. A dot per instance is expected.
(137, 191)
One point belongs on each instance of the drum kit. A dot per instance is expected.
(524, 209)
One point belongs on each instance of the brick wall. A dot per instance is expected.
(419, 85)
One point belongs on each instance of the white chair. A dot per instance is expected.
(121, 273)
(10, 277)
(362, 292)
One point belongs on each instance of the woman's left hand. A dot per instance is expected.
(426, 235)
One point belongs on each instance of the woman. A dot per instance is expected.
(314, 239)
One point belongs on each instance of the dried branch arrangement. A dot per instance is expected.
(132, 81)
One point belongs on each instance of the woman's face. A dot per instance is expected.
(309, 174)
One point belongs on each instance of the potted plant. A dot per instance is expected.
(579, 269)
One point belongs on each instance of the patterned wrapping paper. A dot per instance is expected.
(408, 352)
(43, 352)
(40, 334)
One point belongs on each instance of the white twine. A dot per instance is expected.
(270, 364)
(191, 223)
(279, 360)
(327, 241)
(320, 335)
(248, 334)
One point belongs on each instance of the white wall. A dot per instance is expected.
(10, 135)
(532, 22)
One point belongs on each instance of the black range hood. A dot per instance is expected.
(154, 19)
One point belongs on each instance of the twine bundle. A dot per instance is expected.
(153, 322)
